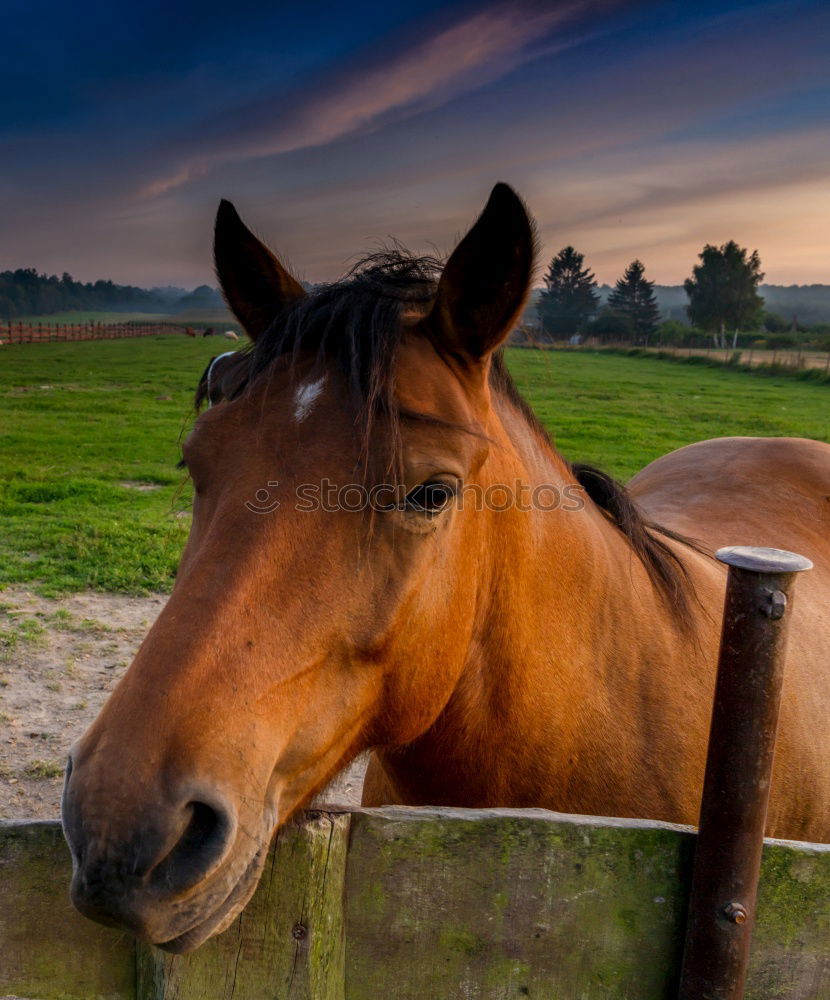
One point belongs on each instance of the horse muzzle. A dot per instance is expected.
(168, 868)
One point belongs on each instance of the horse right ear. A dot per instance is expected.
(255, 284)
(485, 282)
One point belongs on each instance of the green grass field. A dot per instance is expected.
(621, 413)
(215, 317)
(92, 316)
(79, 421)
(90, 436)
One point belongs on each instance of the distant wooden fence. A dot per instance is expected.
(426, 904)
(795, 359)
(51, 333)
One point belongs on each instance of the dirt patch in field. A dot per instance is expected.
(129, 484)
(59, 661)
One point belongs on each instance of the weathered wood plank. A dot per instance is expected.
(790, 956)
(47, 949)
(504, 903)
(439, 903)
(485, 905)
(287, 944)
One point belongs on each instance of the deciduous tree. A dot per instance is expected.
(723, 291)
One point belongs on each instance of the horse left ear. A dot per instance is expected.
(486, 280)
(255, 284)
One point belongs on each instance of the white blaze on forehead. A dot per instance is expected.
(305, 396)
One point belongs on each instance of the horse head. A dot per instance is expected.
(330, 590)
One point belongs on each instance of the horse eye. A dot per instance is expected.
(429, 498)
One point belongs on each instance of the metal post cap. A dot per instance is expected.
(763, 560)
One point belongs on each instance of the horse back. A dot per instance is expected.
(772, 492)
(744, 491)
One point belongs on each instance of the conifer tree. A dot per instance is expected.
(633, 299)
(570, 298)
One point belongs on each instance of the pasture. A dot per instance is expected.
(91, 498)
(93, 316)
(209, 316)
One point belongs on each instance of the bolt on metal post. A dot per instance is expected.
(736, 786)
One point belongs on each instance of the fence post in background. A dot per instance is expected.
(738, 769)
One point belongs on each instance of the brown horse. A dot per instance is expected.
(387, 552)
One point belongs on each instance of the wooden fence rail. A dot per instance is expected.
(426, 904)
(51, 333)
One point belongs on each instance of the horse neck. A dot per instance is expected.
(568, 630)
(566, 569)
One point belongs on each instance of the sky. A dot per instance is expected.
(631, 129)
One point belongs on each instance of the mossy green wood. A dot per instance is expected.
(439, 903)
(48, 951)
(790, 956)
(508, 903)
(287, 944)
(492, 904)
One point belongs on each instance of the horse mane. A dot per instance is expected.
(357, 322)
(665, 567)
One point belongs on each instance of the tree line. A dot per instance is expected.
(25, 292)
(723, 298)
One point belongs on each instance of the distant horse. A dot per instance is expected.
(502, 628)
(189, 331)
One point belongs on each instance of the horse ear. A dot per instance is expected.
(486, 280)
(255, 284)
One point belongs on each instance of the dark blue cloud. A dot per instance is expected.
(333, 123)
(62, 59)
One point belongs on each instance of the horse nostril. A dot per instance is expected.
(206, 824)
(201, 848)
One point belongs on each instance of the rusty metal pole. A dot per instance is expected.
(738, 769)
